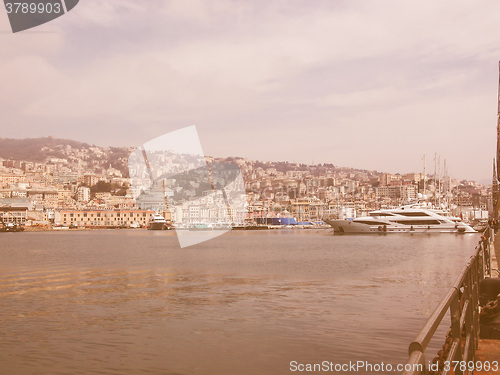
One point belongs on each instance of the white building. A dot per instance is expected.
(83, 194)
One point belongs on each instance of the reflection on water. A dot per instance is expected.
(133, 302)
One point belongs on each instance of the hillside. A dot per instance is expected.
(36, 149)
(40, 150)
(78, 154)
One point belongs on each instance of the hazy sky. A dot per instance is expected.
(368, 84)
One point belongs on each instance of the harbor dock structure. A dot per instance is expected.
(488, 352)
(489, 349)
(465, 343)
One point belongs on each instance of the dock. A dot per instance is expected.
(488, 352)
(489, 349)
(472, 345)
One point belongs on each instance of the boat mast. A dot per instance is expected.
(435, 183)
(445, 174)
(494, 188)
(497, 177)
(425, 175)
(449, 189)
(498, 125)
(439, 180)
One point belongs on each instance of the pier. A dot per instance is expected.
(489, 349)
(470, 342)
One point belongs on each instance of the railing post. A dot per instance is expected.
(455, 328)
(488, 254)
(470, 339)
(475, 303)
(484, 257)
(490, 246)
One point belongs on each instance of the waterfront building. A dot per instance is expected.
(16, 215)
(103, 218)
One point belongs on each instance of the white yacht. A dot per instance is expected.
(412, 218)
(157, 222)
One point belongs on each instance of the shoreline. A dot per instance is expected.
(65, 229)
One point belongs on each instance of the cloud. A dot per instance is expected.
(298, 77)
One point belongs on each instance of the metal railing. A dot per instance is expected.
(462, 301)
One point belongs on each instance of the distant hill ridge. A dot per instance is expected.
(96, 157)
(99, 158)
(39, 149)
(36, 149)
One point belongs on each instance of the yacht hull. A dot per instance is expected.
(157, 226)
(349, 226)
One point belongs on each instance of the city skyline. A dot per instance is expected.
(81, 177)
(367, 85)
(440, 171)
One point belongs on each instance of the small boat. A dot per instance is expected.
(479, 225)
(11, 227)
(60, 227)
(158, 222)
(412, 218)
(222, 225)
(250, 227)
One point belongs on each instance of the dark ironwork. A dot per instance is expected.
(494, 190)
(498, 125)
(462, 302)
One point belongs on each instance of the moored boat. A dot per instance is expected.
(414, 218)
(11, 227)
(158, 222)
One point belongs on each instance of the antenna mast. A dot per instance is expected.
(425, 175)
(435, 182)
(494, 190)
(446, 185)
(439, 179)
(498, 124)
(497, 177)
